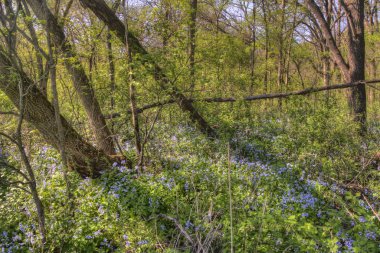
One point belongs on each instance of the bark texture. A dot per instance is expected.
(81, 81)
(352, 69)
(82, 157)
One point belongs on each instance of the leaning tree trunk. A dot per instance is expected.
(82, 157)
(103, 12)
(81, 81)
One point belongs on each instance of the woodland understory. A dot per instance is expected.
(189, 126)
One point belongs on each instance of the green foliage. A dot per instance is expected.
(282, 194)
(301, 176)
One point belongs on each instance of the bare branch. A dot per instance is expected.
(259, 97)
(179, 226)
(8, 113)
(326, 31)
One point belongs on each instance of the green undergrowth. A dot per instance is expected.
(290, 183)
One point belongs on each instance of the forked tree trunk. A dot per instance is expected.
(352, 69)
(82, 157)
(81, 81)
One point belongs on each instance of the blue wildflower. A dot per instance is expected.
(370, 235)
(142, 242)
(188, 224)
(349, 243)
(16, 238)
(22, 228)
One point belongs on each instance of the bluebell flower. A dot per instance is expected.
(123, 169)
(188, 224)
(349, 243)
(282, 170)
(30, 237)
(305, 215)
(22, 228)
(142, 242)
(370, 235)
(88, 237)
(98, 232)
(16, 238)
(362, 219)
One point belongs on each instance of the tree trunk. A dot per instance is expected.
(111, 71)
(280, 63)
(356, 57)
(81, 81)
(266, 27)
(42, 76)
(103, 12)
(82, 157)
(132, 88)
(192, 32)
(252, 58)
(353, 69)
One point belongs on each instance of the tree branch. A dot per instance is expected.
(257, 97)
(326, 31)
(8, 113)
(179, 226)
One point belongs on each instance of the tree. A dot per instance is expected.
(80, 80)
(82, 157)
(352, 68)
(103, 12)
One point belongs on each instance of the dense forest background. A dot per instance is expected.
(189, 126)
